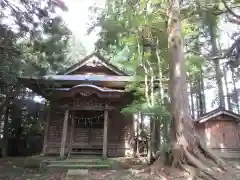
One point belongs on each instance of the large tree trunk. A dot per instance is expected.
(188, 151)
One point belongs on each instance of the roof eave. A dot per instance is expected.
(222, 112)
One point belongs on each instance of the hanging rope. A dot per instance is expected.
(86, 118)
(88, 121)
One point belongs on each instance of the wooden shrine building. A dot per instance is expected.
(84, 109)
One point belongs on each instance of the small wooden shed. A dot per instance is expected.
(84, 113)
(220, 129)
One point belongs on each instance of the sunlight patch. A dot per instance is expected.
(178, 70)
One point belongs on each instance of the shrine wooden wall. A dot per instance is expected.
(119, 133)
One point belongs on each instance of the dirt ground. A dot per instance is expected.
(28, 169)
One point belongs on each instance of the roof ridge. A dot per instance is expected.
(102, 59)
(216, 112)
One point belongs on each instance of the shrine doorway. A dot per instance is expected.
(88, 132)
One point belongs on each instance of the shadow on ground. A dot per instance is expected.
(28, 169)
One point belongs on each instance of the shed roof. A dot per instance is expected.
(217, 112)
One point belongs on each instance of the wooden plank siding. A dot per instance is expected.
(222, 135)
(118, 143)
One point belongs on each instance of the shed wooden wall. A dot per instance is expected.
(119, 133)
(221, 134)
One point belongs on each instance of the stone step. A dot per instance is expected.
(78, 166)
(77, 174)
(76, 161)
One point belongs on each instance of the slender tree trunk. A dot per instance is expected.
(219, 83)
(5, 133)
(138, 133)
(213, 41)
(198, 101)
(192, 100)
(227, 89)
(150, 150)
(161, 88)
(202, 95)
(235, 90)
(200, 86)
(159, 123)
(153, 136)
(157, 134)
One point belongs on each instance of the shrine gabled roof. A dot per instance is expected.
(50, 82)
(90, 59)
(79, 78)
(215, 113)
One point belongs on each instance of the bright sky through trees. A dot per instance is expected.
(78, 17)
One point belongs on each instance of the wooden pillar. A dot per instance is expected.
(46, 131)
(105, 132)
(72, 133)
(64, 133)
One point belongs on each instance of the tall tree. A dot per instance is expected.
(186, 144)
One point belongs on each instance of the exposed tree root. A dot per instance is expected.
(195, 159)
(193, 172)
